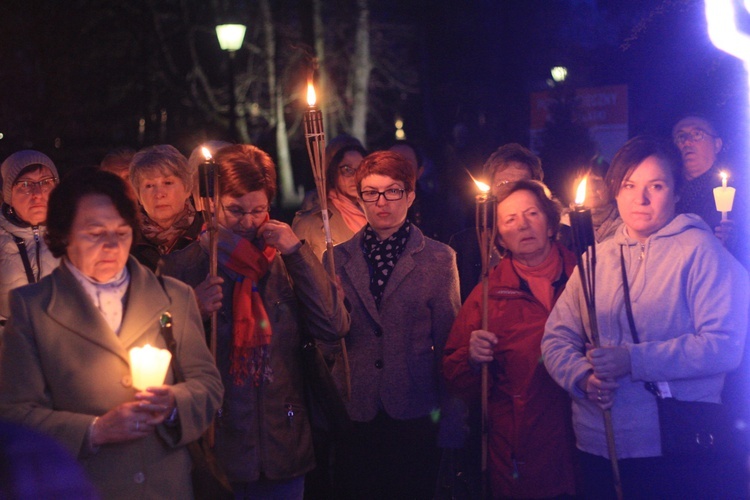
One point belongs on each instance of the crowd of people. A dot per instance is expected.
(416, 343)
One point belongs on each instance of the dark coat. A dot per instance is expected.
(255, 432)
(148, 254)
(61, 365)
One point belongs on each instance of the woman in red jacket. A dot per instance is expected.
(531, 443)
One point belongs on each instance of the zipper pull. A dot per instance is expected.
(643, 252)
(290, 413)
(516, 474)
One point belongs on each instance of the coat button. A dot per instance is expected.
(139, 477)
(126, 381)
(379, 364)
(378, 332)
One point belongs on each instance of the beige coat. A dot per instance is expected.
(61, 365)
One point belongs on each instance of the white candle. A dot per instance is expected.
(148, 366)
(724, 197)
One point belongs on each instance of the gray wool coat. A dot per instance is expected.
(61, 365)
(395, 353)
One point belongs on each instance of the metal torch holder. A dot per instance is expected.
(585, 245)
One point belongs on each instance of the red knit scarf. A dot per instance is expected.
(251, 328)
(541, 277)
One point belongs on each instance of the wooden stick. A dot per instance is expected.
(588, 280)
(209, 191)
(316, 144)
(486, 230)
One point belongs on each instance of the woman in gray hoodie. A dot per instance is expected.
(689, 304)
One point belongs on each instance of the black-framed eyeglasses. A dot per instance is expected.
(696, 135)
(237, 212)
(347, 171)
(27, 187)
(372, 196)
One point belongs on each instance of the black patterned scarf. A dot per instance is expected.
(381, 256)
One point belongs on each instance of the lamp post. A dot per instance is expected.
(230, 39)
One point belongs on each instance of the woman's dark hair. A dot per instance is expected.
(332, 170)
(243, 169)
(415, 149)
(389, 164)
(549, 205)
(65, 198)
(633, 153)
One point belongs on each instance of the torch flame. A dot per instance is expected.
(484, 188)
(310, 94)
(206, 153)
(481, 185)
(581, 192)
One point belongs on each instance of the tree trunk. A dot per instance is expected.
(289, 196)
(329, 101)
(362, 65)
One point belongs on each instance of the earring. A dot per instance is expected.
(10, 210)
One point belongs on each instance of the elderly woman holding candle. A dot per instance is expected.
(679, 323)
(28, 178)
(64, 364)
(343, 157)
(168, 221)
(531, 447)
(403, 291)
(270, 291)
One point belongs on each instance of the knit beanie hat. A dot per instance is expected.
(16, 162)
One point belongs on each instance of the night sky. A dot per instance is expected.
(77, 76)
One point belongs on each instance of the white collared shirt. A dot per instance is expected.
(108, 297)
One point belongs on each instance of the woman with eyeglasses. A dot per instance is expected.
(270, 289)
(343, 156)
(168, 221)
(28, 178)
(403, 293)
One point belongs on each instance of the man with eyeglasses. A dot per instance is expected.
(699, 144)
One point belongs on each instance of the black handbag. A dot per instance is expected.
(691, 428)
(209, 480)
(324, 404)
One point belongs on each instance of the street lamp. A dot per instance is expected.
(559, 73)
(230, 40)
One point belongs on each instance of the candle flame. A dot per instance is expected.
(724, 176)
(581, 192)
(206, 153)
(311, 97)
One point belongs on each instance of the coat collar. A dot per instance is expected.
(356, 269)
(71, 307)
(504, 280)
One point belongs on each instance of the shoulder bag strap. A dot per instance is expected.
(650, 386)
(626, 291)
(25, 258)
